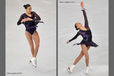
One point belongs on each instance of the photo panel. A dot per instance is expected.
(73, 44)
(30, 37)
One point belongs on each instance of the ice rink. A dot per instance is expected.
(69, 12)
(18, 52)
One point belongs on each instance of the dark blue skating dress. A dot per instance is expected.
(30, 25)
(86, 34)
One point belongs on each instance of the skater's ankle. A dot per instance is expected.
(73, 64)
(87, 65)
(33, 57)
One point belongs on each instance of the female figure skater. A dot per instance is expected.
(30, 19)
(86, 43)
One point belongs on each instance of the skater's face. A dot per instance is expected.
(78, 25)
(29, 9)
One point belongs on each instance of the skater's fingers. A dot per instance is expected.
(82, 4)
(67, 42)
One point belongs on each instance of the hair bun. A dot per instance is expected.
(26, 6)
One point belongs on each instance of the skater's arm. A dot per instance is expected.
(74, 37)
(86, 20)
(36, 16)
(20, 20)
(85, 16)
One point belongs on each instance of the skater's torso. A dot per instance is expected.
(29, 24)
(87, 35)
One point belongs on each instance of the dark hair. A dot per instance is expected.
(76, 27)
(26, 6)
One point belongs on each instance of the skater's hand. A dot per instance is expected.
(26, 19)
(67, 42)
(29, 19)
(82, 5)
(41, 22)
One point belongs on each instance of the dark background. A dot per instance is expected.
(2, 37)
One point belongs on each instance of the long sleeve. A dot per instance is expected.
(86, 20)
(20, 19)
(74, 37)
(36, 16)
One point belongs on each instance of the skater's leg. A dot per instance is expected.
(30, 41)
(85, 52)
(37, 42)
(79, 57)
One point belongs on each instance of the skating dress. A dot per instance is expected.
(86, 34)
(30, 25)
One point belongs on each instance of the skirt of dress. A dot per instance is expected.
(90, 43)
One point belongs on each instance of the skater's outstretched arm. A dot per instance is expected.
(73, 38)
(85, 16)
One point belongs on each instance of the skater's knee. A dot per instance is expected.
(32, 47)
(87, 57)
(37, 45)
(85, 51)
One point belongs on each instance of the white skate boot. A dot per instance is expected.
(69, 69)
(34, 62)
(87, 70)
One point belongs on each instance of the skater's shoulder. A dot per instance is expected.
(22, 14)
(33, 12)
(79, 32)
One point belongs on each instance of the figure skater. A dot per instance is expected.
(30, 19)
(86, 43)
